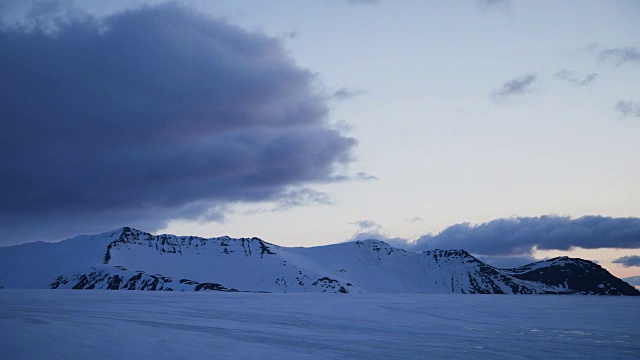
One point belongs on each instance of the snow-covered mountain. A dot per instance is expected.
(131, 259)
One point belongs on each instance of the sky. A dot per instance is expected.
(508, 128)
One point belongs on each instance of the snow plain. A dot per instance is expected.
(86, 324)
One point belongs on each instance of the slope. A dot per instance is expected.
(132, 259)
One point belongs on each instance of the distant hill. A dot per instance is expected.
(633, 281)
(135, 260)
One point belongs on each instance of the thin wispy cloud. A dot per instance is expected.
(518, 86)
(346, 94)
(298, 198)
(290, 34)
(633, 280)
(367, 225)
(621, 56)
(363, 2)
(374, 231)
(360, 176)
(486, 5)
(365, 176)
(628, 108)
(574, 78)
(302, 197)
(590, 48)
(628, 261)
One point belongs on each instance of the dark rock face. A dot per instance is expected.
(361, 266)
(213, 287)
(561, 275)
(482, 278)
(576, 276)
(131, 280)
(171, 244)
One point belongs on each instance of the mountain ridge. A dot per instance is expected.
(130, 259)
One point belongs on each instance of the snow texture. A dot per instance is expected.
(129, 259)
(64, 324)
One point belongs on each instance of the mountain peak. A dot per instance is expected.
(437, 254)
(128, 258)
(371, 242)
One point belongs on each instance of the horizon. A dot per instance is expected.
(409, 246)
(502, 126)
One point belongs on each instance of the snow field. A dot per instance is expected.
(85, 324)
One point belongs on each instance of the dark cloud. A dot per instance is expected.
(507, 262)
(152, 114)
(621, 56)
(415, 219)
(519, 236)
(576, 79)
(518, 86)
(628, 108)
(628, 261)
(507, 243)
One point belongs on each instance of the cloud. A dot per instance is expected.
(371, 230)
(493, 2)
(292, 198)
(621, 56)
(628, 108)
(511, 242)
(367, 225)
(507, 262)
(399, 243)
(576, 79)
(365, 176)
(346, 94)
(302, 197)
(628, 261)
(632, 280)
(363, 2)
(486, 5)
(152, 114)
(360, 176)
(517, 86)
(521, 235)
(291, 34)
(415, 219)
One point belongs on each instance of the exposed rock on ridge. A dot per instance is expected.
(135, 260)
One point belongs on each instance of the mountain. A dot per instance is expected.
(132, 259)
(632, 280)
